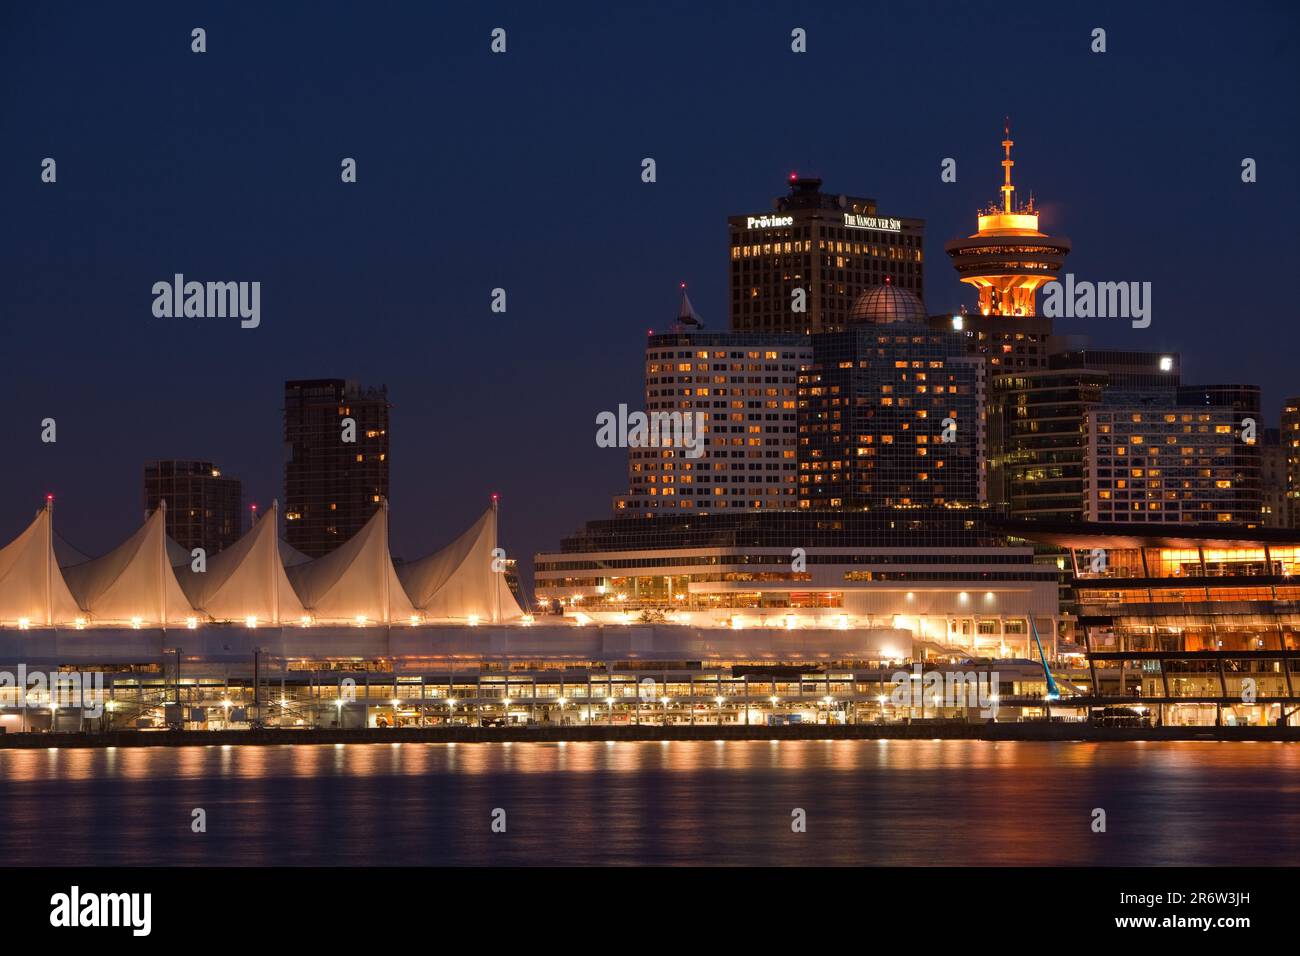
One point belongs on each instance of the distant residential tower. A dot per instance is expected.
(332, 486)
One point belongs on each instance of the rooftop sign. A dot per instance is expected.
(872, 222)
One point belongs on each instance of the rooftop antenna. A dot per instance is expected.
(1007, 189)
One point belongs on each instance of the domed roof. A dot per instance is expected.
(886, 303)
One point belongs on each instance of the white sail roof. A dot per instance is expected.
(66, 554)
(459, 582)
(246, 580)
(177, 556)
(31, 585)
(291, 556)
(134, 580)
(357, 580)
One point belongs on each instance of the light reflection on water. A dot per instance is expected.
(867, 802)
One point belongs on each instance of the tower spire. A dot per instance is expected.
(1007, 189)
(686, 315)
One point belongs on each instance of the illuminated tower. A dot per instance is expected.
(1008, 259)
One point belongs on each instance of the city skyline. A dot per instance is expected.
(574, 333)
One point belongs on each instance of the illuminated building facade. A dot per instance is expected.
(1272, 464)
(332, 487)
(1183, 460)
(1038, 453)
(933, 579)
(890, 412)
(1108, 435)
(1038, 450)
(204, 507)
(1188, 625)
(1291, 447)
(832, 247)
(745, 384)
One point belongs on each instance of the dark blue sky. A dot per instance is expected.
(523, 171)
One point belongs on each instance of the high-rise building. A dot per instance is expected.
(1037, 449)
(744, 384)
(1273, 479)
(1007, 260)
(832, 248)
(1177, 458)
(1113, 435)
(333, 485)
(1291, 445)
(890, 414)
(204, 507)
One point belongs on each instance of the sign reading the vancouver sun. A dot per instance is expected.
(854, 221)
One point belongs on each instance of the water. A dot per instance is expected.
(867, 802)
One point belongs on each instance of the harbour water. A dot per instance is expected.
(867, 802)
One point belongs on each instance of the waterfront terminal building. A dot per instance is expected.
(1190, 624)
(932, 581)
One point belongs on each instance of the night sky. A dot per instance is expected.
(522, 171)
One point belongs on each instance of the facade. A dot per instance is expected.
(1291, 445)
(1113, 436)
(547, 675)
(1173, 461)
(930, 582)
(1006, 344)
(890, 415)
(1037, 445)
(1187, 625)
(204, 507)
(332, 487)
(746, 385)
(831, 247)
(1272, 465)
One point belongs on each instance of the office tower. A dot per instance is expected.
(332, 486)
(1291, 444)
(832, 248)
(889, 411)
(204, 507)
(1007, 260)
(744, 384)
(1037, 450)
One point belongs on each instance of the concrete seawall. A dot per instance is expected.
(935, 730)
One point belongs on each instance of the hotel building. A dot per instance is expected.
(204, 507)
(831, 247)
(745, 385)
(1174, 461)
(332, 487)
(890, 412)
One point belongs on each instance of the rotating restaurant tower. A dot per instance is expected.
(1008, 259)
